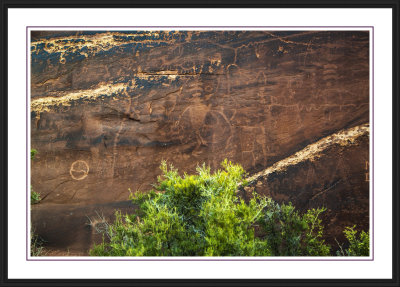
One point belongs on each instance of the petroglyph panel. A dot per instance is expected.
(123, 101)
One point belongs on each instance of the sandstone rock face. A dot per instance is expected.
(292, 107)
(331, 173)
(107, 107)
(70, 229)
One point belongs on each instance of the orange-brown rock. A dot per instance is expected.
(332, 173)
(71, 230)
(107, 107)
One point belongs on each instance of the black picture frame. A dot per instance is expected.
(5, 156)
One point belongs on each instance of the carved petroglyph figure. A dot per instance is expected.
(79, 170)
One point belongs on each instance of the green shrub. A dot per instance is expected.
(201, 215)
(290, 234)
(36, 244)
(33, 153)
(35, 197)
(358, 246)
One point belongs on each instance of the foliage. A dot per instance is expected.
(290, 234)
(33, 153)
(358, 245)
(36, 244)
(201, 215)
(35, 197)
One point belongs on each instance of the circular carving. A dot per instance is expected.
(79, 170)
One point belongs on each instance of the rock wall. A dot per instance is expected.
(71, 230)
(107, 107)
(332, 173)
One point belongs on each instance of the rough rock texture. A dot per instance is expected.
(70, 229)
(107, 107)
(331, 173)
(292, 107)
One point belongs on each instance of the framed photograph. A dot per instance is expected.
(238, 145)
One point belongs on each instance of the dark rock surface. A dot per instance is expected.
(108, 107)
(72, 229)
(331, 173)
